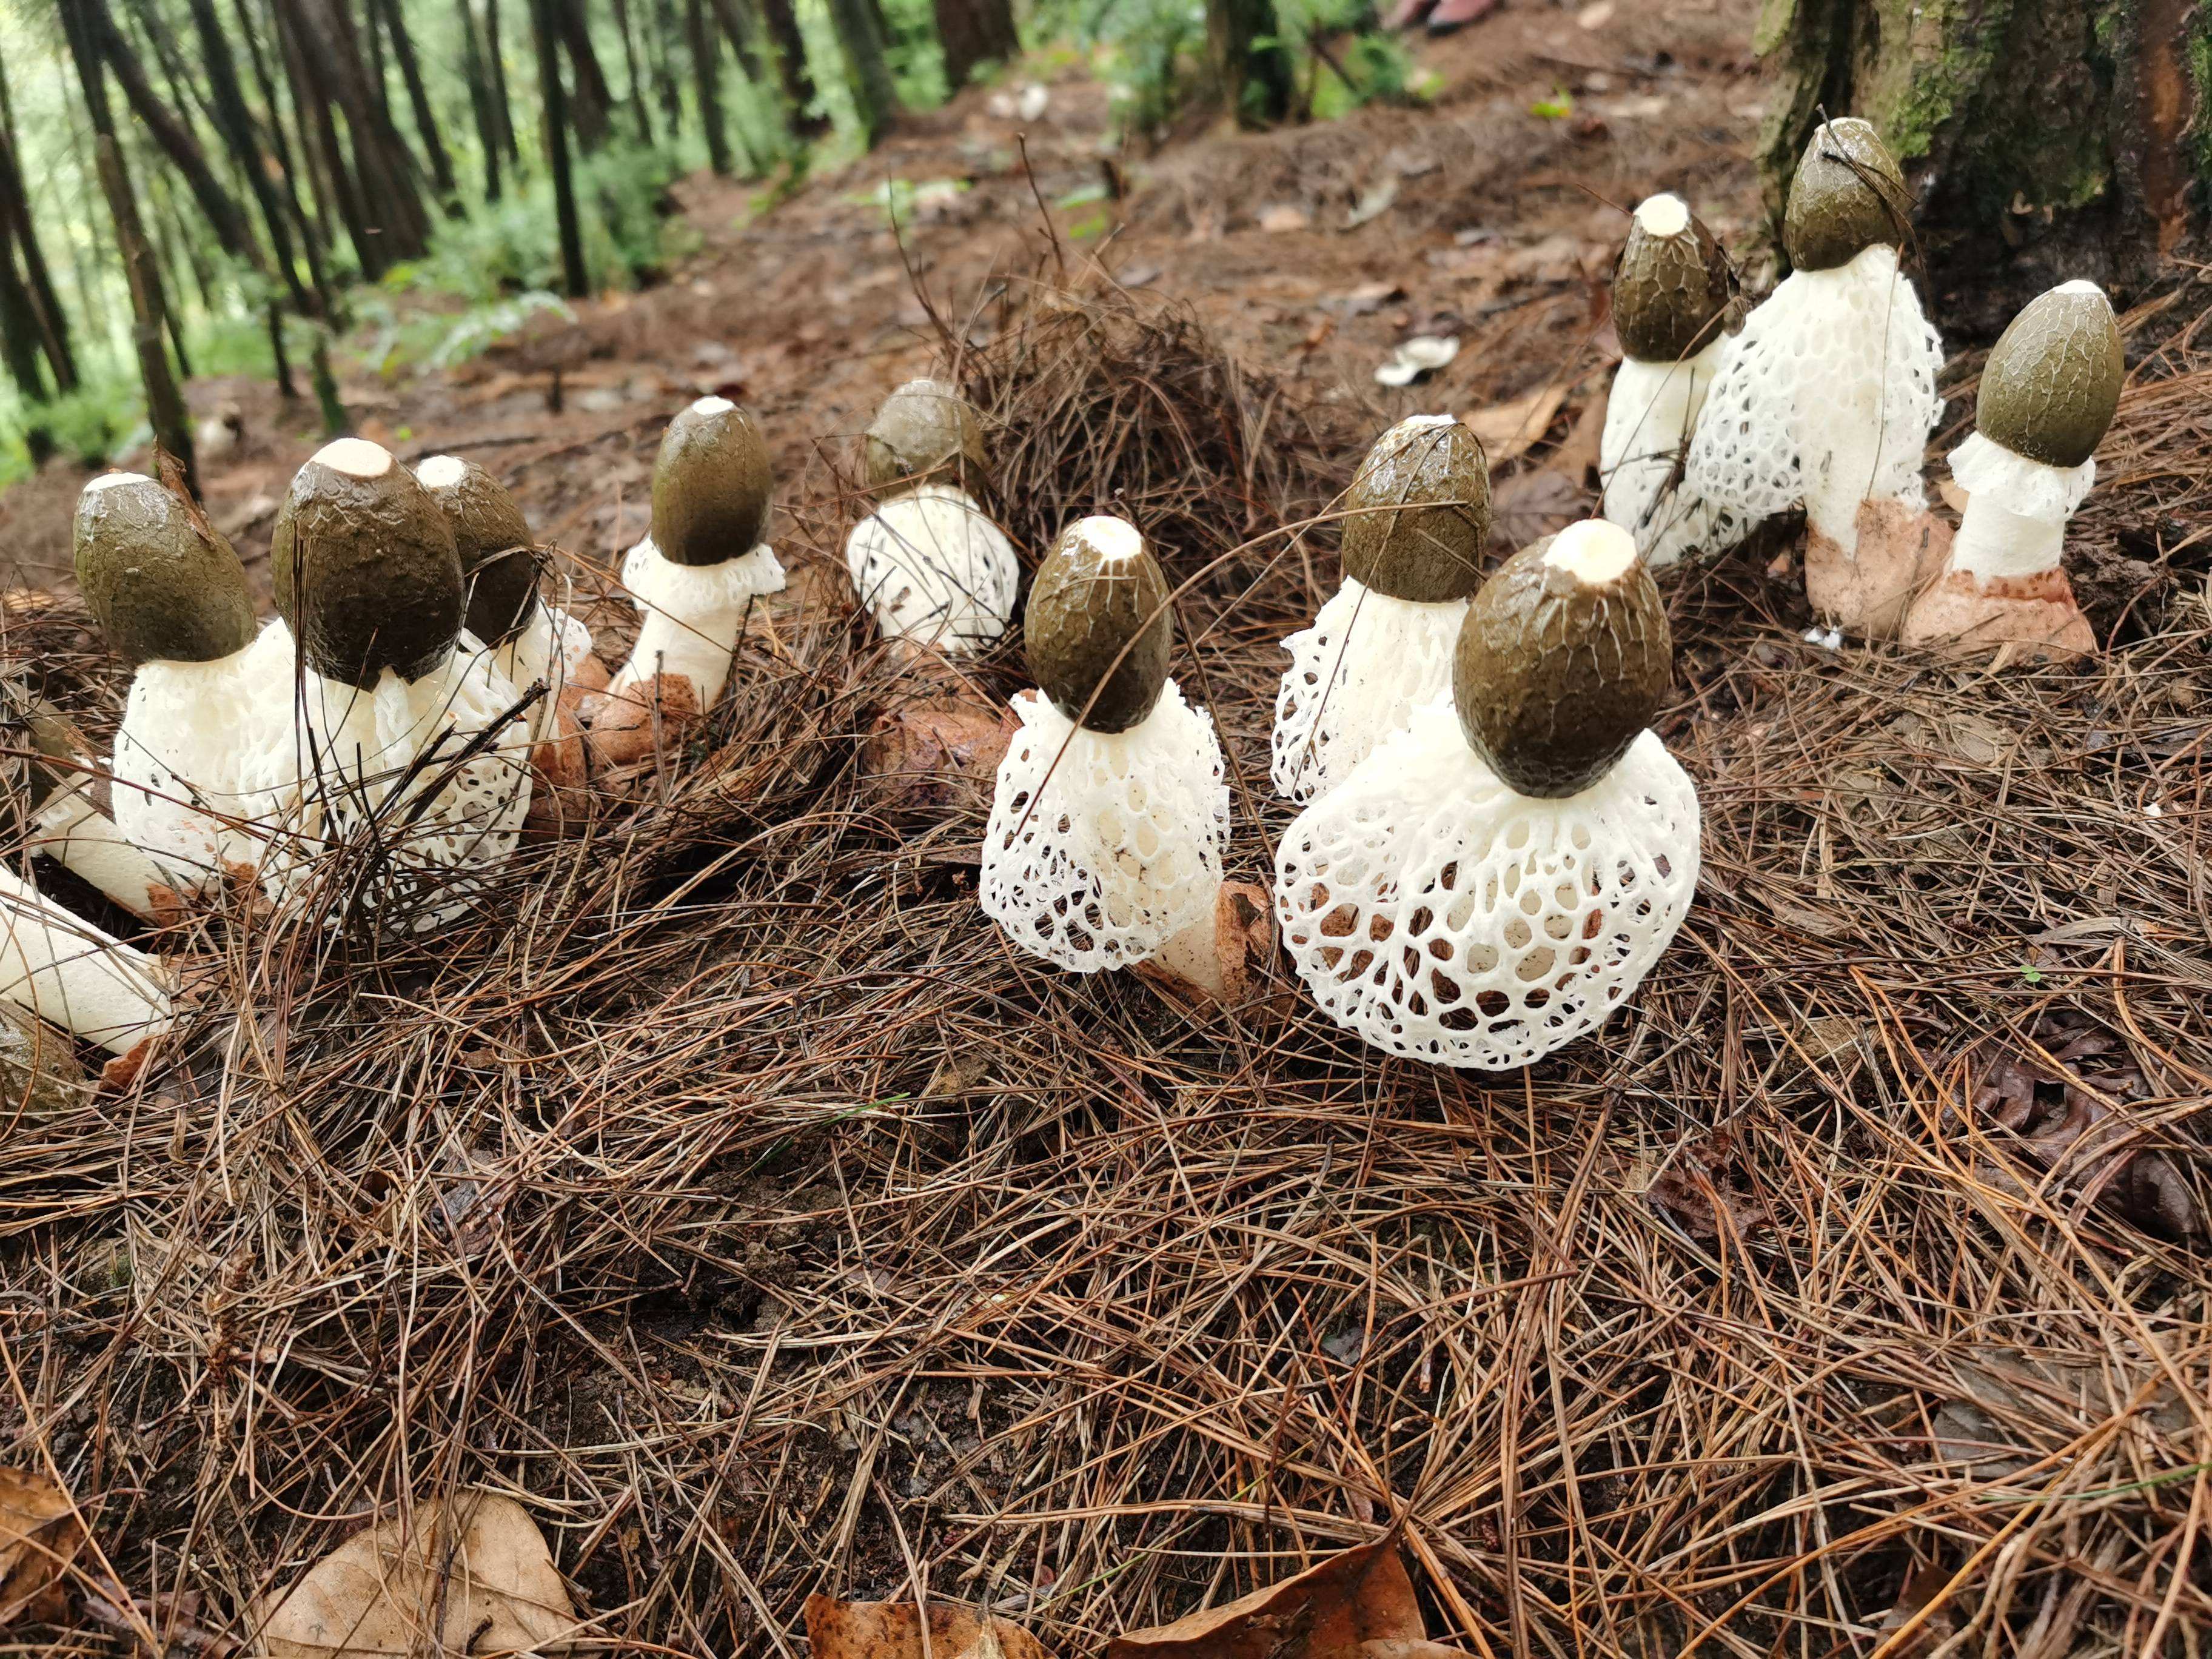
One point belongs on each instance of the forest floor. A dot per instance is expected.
(736, 1198)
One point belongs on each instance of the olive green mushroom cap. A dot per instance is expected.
(163, 583)
(499, 562)
(710, 485)
(40, 1076)
(1672, 284)
(365, 567)
(926, 432)
(2053, 379)
(1564, 659)
(1848, 195)
(1432, 475)
(1100, 594)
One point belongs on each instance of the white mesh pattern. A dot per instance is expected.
(1437, 913)
(933, 568)
(2032, 489)
(385, 766)
(1356, 676)
(1648, 417)
(1836, 371)
(548, 647)
(1103, 846)
(200, 743)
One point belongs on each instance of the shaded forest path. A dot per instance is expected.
(1309, 250)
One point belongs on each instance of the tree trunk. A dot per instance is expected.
(2044, 139)
(707, 76)
(21, 347)
(315, 231)
(235, 122)
(632, 69)
(574, 279)
(743, 33)
(792, 66)
(660, 34)
(169, 130)
(874, 98)
(472, 68)
(592, 105)
(165, 403)
(389, 219)
(973, 32)
(495, 62)
(418, 100)
(1243, 39)
(16, 220)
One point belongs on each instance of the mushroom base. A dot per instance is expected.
(693, 616)
(2011, 619)
(1224, 957)
(1901, 550)
(935, 758)
(72, 830)
(1437, 913)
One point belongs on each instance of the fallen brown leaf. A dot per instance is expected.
(892, 1630)
(39, 1536)
(1705, 1193)
(1331, 1611)
(1508, 429)
(1530, 506)
(465, 1574)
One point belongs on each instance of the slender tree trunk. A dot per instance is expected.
(662, 33)
(168, 131)
(632, 67)
(745, 42)
(315, 231)
(874, 98)
(165, 403)
(791, 67)
(334, 183)
(235, 123)
(592, 103)
(472, 68)
(20, 348)
(973, 33)
(418, 100)
(1251, 65)
(496, 65)
(2044, 139)
(387, 203)
(574, 279)
(16, 220)
(280, 359)
(706, 75)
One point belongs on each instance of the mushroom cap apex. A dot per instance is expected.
(1112, 539)
(1663, 215)
(1594, 552)
(442, 471)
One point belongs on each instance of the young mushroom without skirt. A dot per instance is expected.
(1106, 830)
(2048, 396)
(1827, 396)
(928, 561)
(694, 578)
(205, 746)
(1418, 519)
(62, 800)
(1671, 293)
(1494, 881)
(409, 733)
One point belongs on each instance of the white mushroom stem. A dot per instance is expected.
(68, 972)
(204, 750)
(1827, 397)
(2014, 525)
(71, 830)
(933, 568)
(693, 616)
(1650, 415)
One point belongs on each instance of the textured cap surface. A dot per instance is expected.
(1100, 592)
(925, 432)
(498, 562)
(2053, 379)
(1848, 195)
(1672, 286)
(711, 484)
(163, 583)
(1431, 473)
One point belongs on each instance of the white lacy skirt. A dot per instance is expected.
(933, 568)
(1356, 677)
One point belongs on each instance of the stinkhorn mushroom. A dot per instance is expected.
(66, 797)
(693, 579)
(1494, 881)
(403, 728)
(1418, 518)
(205, 748)
(2048, 395)
(1671, 293)
(1827, 396)
(1106, 829)
(66, 971)
(928, 561)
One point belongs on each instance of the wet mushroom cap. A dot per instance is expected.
(1849, 196)
(2053, 382)
(163, 584)
(499, 562)
(364, 567)
(1431, 473)
(1672, 284)
(711, 483)
(1564, 659)
(1098, 593)
(926, 432)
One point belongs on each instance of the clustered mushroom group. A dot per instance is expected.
(1494, 846)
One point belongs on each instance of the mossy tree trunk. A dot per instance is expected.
(2044, 139)
(1251, 64)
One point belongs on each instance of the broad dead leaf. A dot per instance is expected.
(892, 1630)
(465, 1574)
(1530, 506)
(39, 1536)
(1332, 1611)
(1507, 429)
